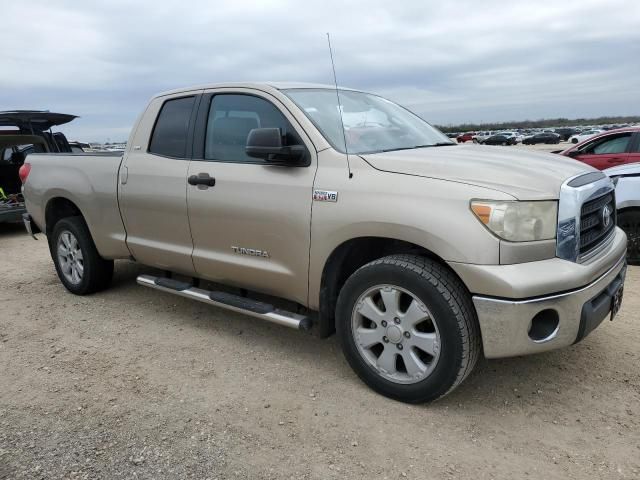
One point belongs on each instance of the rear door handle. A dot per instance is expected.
(202, 179)
(615, 160)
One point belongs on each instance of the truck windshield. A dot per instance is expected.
(372, 124)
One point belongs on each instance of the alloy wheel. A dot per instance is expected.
(395, 334)
(70, 257)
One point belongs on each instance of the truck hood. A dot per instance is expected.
(523, 174)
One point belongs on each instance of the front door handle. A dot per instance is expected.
(616, 160)
(202, 179)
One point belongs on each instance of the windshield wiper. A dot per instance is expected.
(397, 148)
(439, 144)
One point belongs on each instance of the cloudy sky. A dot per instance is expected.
(450, 62)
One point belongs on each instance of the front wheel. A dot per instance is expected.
(629, 221)
(408, 328)
(80, 267)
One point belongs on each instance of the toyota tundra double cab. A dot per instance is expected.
(340, 211)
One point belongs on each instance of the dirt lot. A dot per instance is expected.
(134, 383)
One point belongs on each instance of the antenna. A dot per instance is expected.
(335, 82)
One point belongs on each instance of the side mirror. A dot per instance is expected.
(574, 153)
(266, 143)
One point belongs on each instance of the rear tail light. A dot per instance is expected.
(23, 173)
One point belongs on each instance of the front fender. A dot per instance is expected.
(430, 213)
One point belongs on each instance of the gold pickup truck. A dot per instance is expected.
(352, 216)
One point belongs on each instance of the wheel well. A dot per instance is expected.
(57, 209)
(345, 260)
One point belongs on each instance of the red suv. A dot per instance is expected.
(465, 137)
(608, 149)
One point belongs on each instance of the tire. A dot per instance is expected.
(80, 267)
(574, 141)
(629, 221)
(424, 289)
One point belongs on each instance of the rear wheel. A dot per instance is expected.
(629, 221)
(80, 267)
(407, 327)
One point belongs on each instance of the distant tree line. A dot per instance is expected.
(544, 123)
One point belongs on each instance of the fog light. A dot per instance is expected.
(544, 326)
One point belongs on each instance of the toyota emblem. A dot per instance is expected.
(606, 216)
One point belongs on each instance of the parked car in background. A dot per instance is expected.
(545, 137)
(465, 137)
(481, 136)
(517, 137)
(579, 137)
(499, 139)
(566, 132)
(627, 181)
(608, 149)
(79, 147)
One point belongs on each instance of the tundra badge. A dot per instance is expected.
(254, 252)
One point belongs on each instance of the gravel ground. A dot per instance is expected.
(134, 383)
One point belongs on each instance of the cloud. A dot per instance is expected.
(450, 62)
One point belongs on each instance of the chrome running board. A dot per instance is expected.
(229, 301)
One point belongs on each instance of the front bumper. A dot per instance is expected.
(509, 329)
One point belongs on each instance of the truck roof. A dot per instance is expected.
(265, 86)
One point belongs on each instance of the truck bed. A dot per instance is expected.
(87, 182)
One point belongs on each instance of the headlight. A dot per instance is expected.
(518, 221)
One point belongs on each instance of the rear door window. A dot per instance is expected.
(169, 137)
(636, 143)
(611, 144)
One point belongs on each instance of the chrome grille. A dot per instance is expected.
(593, 229)
(582, 227)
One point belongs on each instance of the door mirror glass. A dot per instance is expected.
(267, 144)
